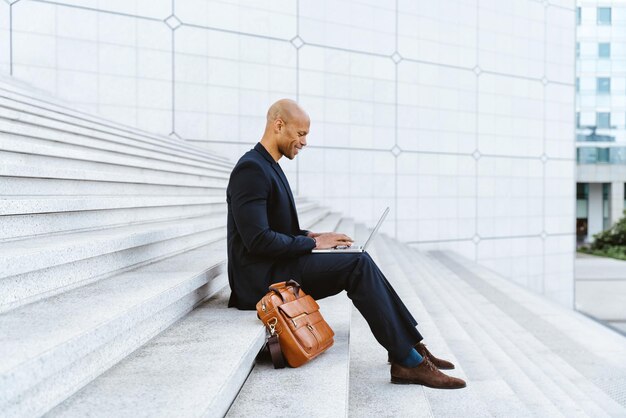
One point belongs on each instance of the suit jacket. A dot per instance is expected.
(263, 229)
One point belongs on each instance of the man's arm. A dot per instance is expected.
(250, 189)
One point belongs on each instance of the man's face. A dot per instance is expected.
(292, 136)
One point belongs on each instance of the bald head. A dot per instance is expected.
(287, 110)
(286, 129)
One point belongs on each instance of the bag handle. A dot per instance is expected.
(292, 284)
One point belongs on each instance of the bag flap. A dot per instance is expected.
(303, 305)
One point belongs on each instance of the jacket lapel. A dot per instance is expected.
(261, 149)
(281, 174)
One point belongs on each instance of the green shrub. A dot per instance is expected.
(613, 237)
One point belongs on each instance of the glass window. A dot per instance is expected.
(603, 85)
(604, 50)
(606, 223)
(578, 119)
(604, 16)
(603, 120)
(578, 15)
(577, 49)
(603, 155)
(577, 84)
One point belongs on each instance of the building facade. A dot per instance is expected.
(600, 115)
(457, 114)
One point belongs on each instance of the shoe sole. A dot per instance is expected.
(399, 381)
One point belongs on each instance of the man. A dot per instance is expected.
(266, 245)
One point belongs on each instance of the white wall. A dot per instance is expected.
(458, 114)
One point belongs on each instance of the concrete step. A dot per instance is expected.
(66, 261)
(523, 352)
(47, 251)
(22, 101)
(606, 343)
(53, 347)
(24, 205)
(326, 377)
(371, 392)
(313, 216)
(486, 364)
(25, 288)
(37, 166)
(37, 186)
(15, 120)
(37, 141)
(484, 381)
(196, 367)
(575, 368)
(13, 227)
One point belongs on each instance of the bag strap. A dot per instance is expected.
(277, 355)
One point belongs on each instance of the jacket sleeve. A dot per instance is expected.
(249, 191)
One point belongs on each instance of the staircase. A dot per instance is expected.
(113, 298)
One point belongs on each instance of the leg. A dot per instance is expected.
(323, 275)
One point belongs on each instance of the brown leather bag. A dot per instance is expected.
(296, 326)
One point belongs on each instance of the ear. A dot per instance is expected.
(278, 124)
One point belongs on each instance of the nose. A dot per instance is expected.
(303, 141)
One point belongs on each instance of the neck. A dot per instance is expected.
(271, 147)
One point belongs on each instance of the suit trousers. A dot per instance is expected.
(326, 274)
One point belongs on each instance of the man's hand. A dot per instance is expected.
(327, 240)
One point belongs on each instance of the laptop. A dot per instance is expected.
(357, 248)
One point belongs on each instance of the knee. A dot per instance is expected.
(367, 259)
(366, 268)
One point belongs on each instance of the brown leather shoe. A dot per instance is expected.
(441, 364)
(425, 374)
(421, 348)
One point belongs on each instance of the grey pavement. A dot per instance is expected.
(601, 289)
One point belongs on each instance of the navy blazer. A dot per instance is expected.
(263, 229)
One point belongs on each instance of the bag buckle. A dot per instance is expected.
(272, 325)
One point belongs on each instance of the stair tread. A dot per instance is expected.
(324, 378)
(41, 166)
(190, 369)
(194, 343)
(32, 331)
(370, 374)
(541, 371)
(41, 252)
(529, 383)
(310, 382)
(611, 344)
(33, 141)
(23, 100)
(19, 205)
(555, 348)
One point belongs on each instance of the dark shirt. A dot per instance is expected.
(263, 229)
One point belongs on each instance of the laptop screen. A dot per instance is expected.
(376, 228)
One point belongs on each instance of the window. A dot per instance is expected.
(604, 16)
(603, 120)
(578, 119)
(577, 84)
(578, 15)
(603, 85)
(604, 50)
(577, 49)
(606, 192)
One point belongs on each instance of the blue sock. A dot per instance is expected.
(413, 359)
